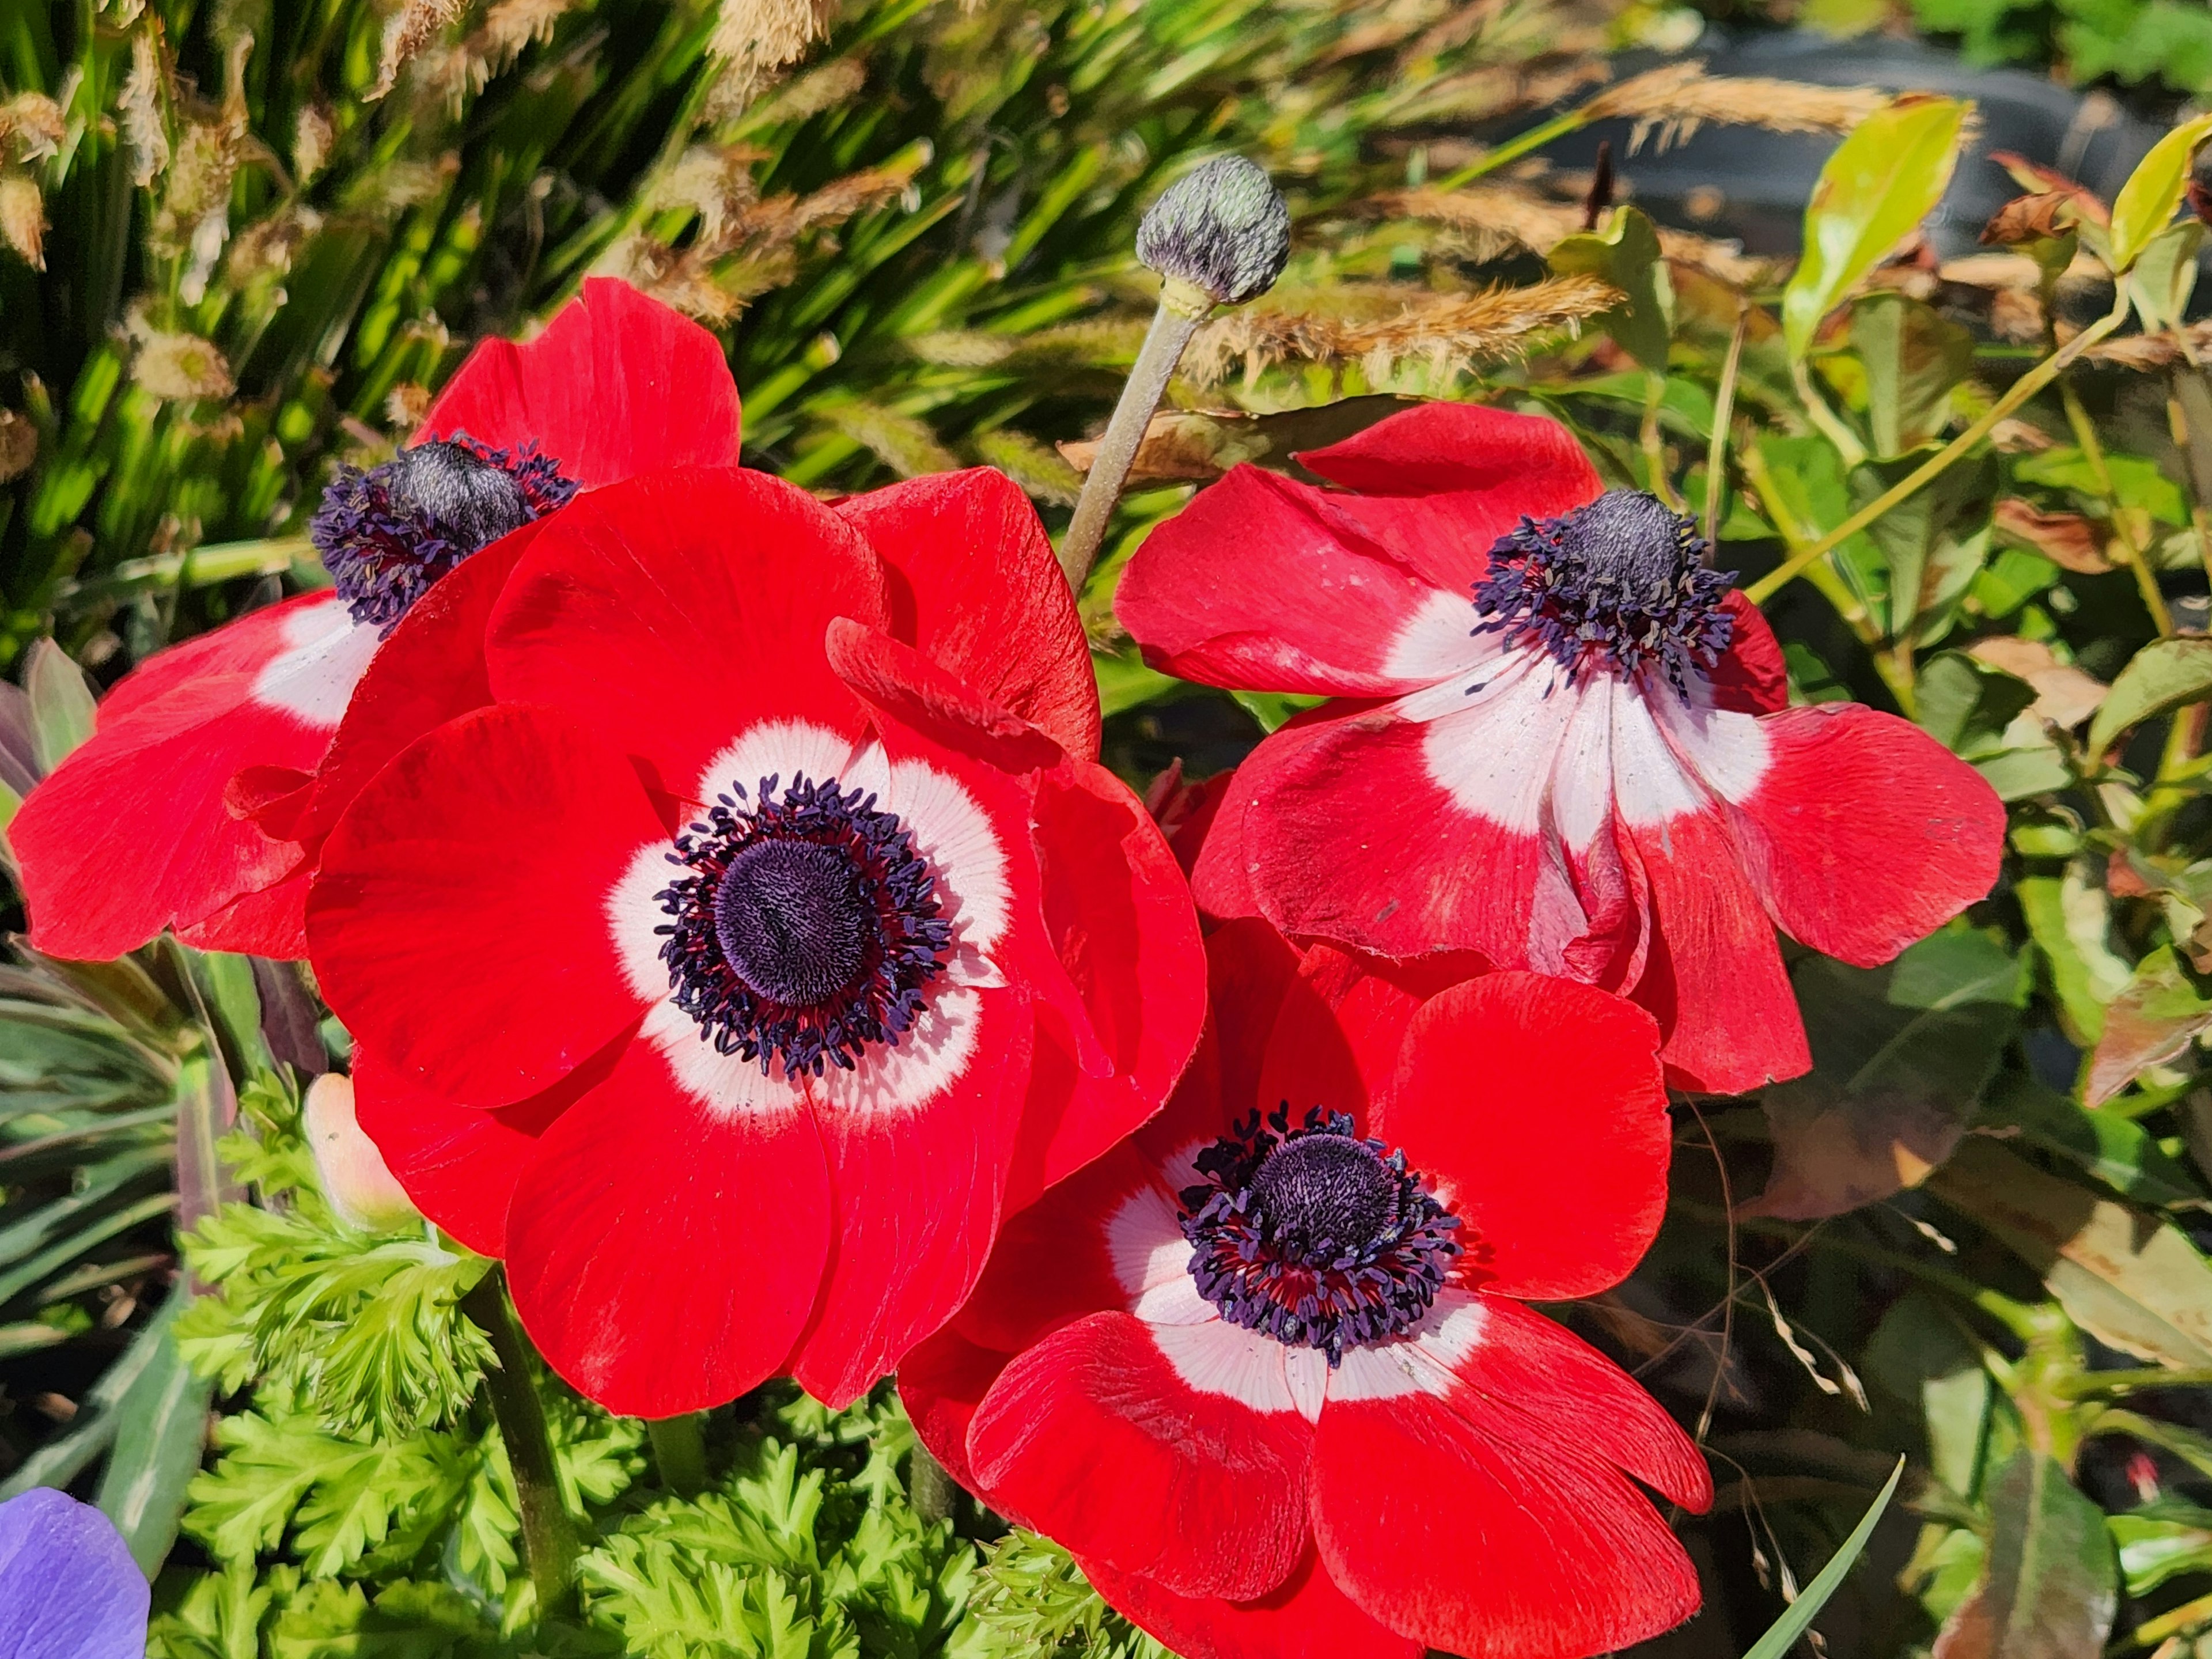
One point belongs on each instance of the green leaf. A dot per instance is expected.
(2049, 1586)
(2113, 1149)
(1881, 182)
(163, 1430)
(2130, 1280)
(2166, 274)
(1914, 358)
(1626, 254)
(1783, 1634)
(1900, 1054)
(60, 1460)
(2154, 1019)
(1921, 1355)
(2070, 918)
(2164, 675)
(61, 702)
(2146, 204)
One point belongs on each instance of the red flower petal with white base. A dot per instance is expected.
(457, 925)
(1101, 1394)
(616, 385)
(154, 776)
(664, 1250)
(665, 612)
(1305, 1617)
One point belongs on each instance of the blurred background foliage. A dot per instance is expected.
(248, 239)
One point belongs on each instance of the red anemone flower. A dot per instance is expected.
(1566, 744)
(185, 809)
(1266, 1370)
(768, 933)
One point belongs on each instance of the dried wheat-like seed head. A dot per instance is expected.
(489, 50)
(1043, 474)
(19, 445)
(314, 133)
(755, 40)
(1497, 219)
(32, 126)
(180, 366)
(1449, 332)
(1675, 100)
(902, 442)
(144, 93)
(406, 32)
(23, 215)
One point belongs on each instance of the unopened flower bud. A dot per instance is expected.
(1222, 229)
(356, 1179)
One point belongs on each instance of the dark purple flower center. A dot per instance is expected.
(806, 928)
(1313, 1235)
(388, 534)
(1617, 586)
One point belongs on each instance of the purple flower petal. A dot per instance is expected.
(69, 1588)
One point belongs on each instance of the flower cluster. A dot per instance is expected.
(742, 941)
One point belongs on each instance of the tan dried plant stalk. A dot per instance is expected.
(24, 217)
(145, 96)
(1675, 100)
(1498, 218)
(407, 31)
(489, 49)
(32, 126)
(1447, 332)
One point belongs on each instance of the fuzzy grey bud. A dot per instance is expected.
(1221, 228)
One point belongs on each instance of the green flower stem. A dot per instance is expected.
(1513, 150)
(549, 1544)
(2093, 452)
(1723, 412)
(1183, 307)
(679, 1452)
(2022, 389)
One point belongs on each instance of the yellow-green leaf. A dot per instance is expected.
(2164, 675)
(1877, 188)
(2146, 202)
(1626, 254)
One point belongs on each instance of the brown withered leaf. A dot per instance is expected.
(2034, 176)
(2064, 693)
(1196, 446)
(2046, 215)
(2067, 539)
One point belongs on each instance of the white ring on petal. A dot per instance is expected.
(1439, 641)
(931, 1054)
(325, 653)
(1218, 1358)
(1726, 748)
(783, 749)
(1422, 1361)
(1151, 1259)
(1651, 784)
(1492, 754)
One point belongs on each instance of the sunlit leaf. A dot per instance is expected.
(2049, 1586)
(2146, 204)
(2164, 675)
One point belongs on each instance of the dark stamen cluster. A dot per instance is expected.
(388, 534)
(807, 926)
(1313, 1235)
(1618, 584)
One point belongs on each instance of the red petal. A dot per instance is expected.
(1537, 1108)
(615, 386)
(1752, 676)
(1266, 583)
(1714, 977)
(673, 611)
(1121, 922)
(270, 922)
(458, 1164)
(429, 669)
(459, 925)
(975, 588)
(1564, 1397)
(243, 647)
(1864, 834)
(665, 1255)
(133, 833)
(1053, 1264)
(1250, 969)
(1307, 1617)
(1091, 1438)
(1489, 1544)
(918, 1189)
(1351, 840)
(940, 1383)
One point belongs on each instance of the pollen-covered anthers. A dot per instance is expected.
(1313, 1235)
(807, 928)
(387, 534)
(1617, 586)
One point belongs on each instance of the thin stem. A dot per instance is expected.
(1173, 324)
(2100, 470)
(2022, 389)
(1655, 448)
(549, 1545)
(679, 1452)
(1514, 148)
(1723, 412)
(1831, 425)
